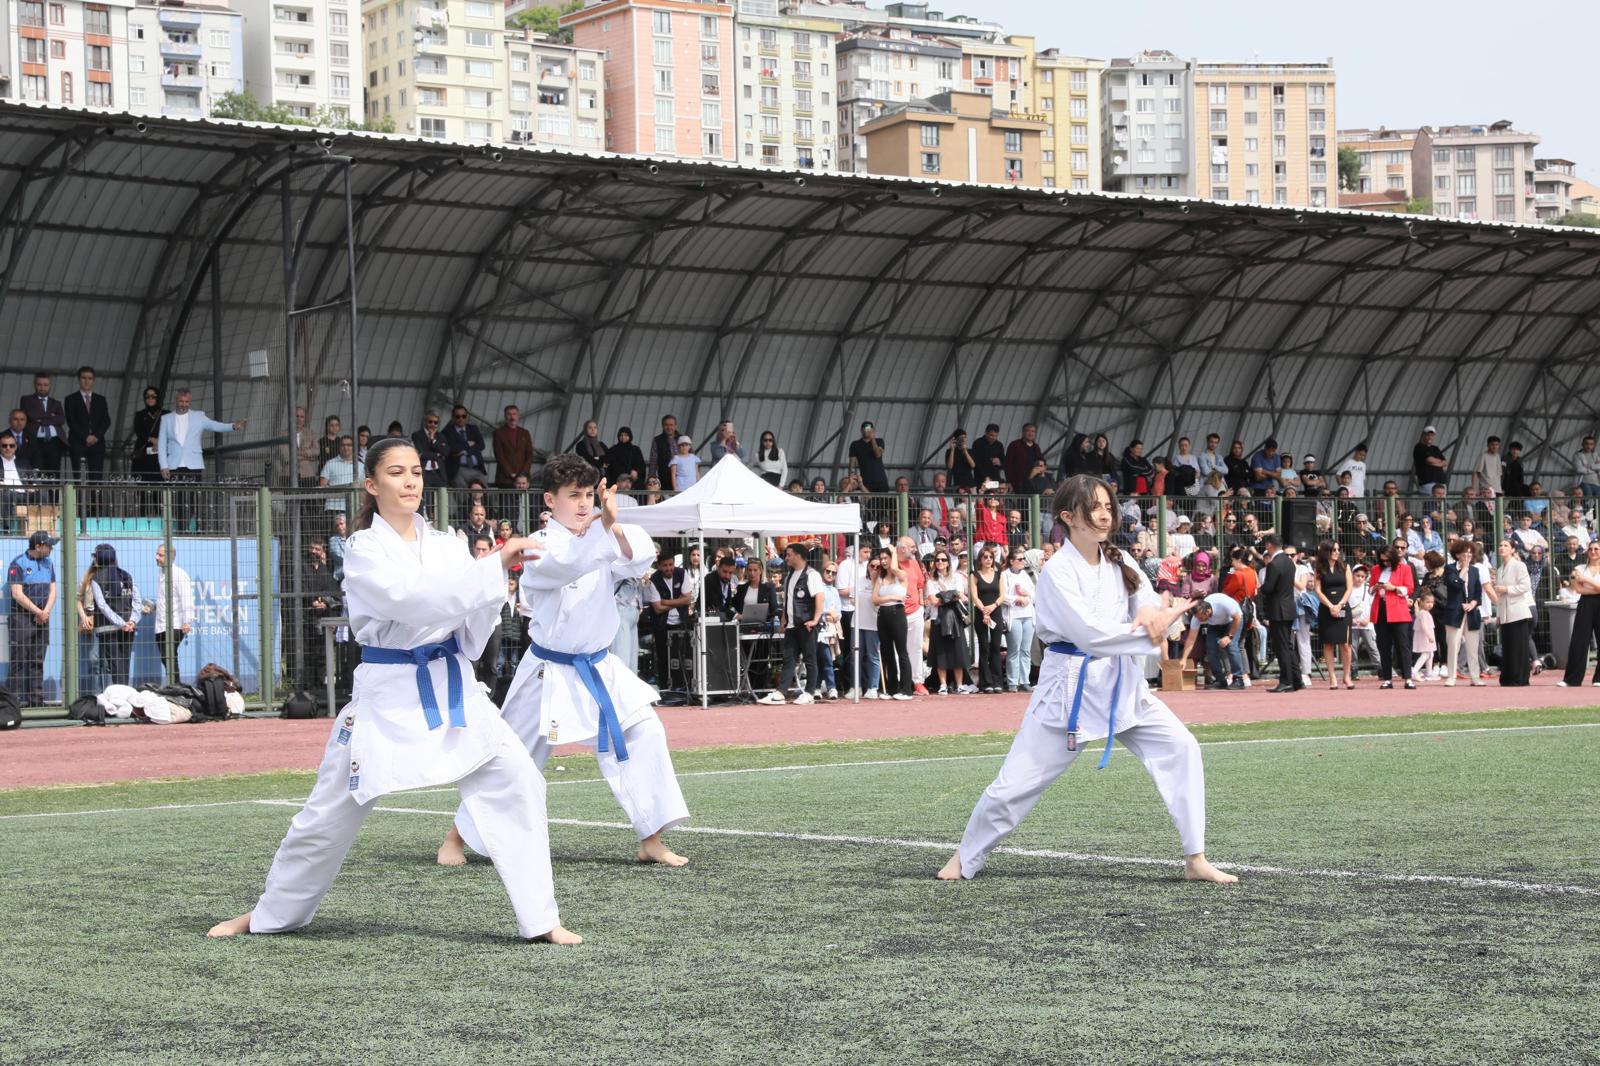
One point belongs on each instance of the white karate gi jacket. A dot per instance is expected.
(568, 596)
(403, 594)
(1088, 605)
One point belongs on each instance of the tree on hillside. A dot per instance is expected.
(245, 107)
(1349, 169)
(1575, 219)
(545, 20)
(1419, 205)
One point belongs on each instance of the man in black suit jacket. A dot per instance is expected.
(430, 445)
(1275, 604)
(18, 428)
(88, 422)
(47, 426)
(463, 443)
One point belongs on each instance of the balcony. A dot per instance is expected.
(192, 83)
(767, 49)
(183, 112)
(554, 76)
(171, 49)
(1547, 198)
(802, 83)
(429, 19)
(178, 18)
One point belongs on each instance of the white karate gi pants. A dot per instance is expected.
(505, 794)
(1039, 755)
(646, 786)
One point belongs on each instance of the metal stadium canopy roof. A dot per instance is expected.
(621, 288)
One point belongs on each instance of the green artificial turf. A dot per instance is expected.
(770, 950)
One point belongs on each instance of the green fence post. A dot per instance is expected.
(1391, 516)
(1492, 542)
(902, 512)
(67, 593)
(1035, 537)
(1161, 526)
(441, 508)
(266, 575)
(167, 650)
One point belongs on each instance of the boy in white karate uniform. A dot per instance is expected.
(569, 689)
(1098, 618)
(422, 608)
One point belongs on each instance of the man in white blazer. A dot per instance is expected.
(181, 442)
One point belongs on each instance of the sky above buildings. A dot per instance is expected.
(1397, 66)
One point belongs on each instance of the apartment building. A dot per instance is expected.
(555, 93)
(1066, 91)
(1559, 192)
(1396, 168)
(783, 78)
(1484, 172)
(1264, 133)
(1000, 67)
(301, 54)
(668, 69)
(182, 57)
(881, 70)
(1145, 125)
(66, 52)
(438, 68)
(957, 136)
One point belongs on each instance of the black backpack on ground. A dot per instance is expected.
(213, 697)
(299, 705)
(10, 711)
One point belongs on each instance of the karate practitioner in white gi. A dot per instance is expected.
(1094, 613)
(422, 609)
(567, 595)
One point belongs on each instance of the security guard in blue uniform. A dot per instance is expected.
(32, 577)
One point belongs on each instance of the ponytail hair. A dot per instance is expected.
(1076, 495)
(375, 454)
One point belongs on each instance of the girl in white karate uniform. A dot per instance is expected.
(568, 688)
(1097, 618)
(422, 608)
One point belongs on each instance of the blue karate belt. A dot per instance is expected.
(584, 663)
(1066, 647)
(421, 657)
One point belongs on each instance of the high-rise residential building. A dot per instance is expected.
(1145, 135)
(66, 52)
(1066, 91)
(1559, 192)
(1000, 67)
(1264, 132)
(783, 78)
(1484, 172)
(437, 68)
(301, 54)
(956, 136)
(668, 74)
(1396, 168)
(555, 93)
(182, 57)
(880, 70)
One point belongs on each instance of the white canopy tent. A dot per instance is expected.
(731, 500)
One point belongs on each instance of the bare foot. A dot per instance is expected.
(950, 871)
(558, 935)
(232, 927)
(652, 849)
(453, 852)
(1196, 868)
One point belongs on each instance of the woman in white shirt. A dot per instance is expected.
(1515, 594)
(770, 462)
(889, 596)
(1016, 596)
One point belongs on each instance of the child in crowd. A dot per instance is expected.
(1423, 644)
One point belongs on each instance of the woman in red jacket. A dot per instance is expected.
(991, 523)
(1393, 584)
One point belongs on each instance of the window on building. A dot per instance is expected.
(35, 87)
(1505, 209)
(663, 111)
(1145, 155)
(661, 52)
(947, 69)
(1080, 161)
(1078, 81)
(1504, 183)
(1466, 184)
(339, 21)
(930, 162)
(555, 124)
(1397, 181)
(666, 140)
(1397, 159)
(1174, 106)
(1144, 130)
(1047, 156)
(1252, 170)
(1252, 118)
(480, 39)
(1217, 94)
(1013, 141)
(1441, 155)
(97, 57)
(661, 21)
(1466, 157)
(66, 87)
(480, 9)
(1078, 108)
(1252, 144)
(479, 98)
(480, 68)
(708, 29)
(1144, 106)
(1504, 155)
(802, 69)
(1219, 121)
(588, 131)
(1280, 146)
(930, 135)
(1466, 208)
(1080, 134)
(98, 94)
(339, 53)
(586, 70)
(663, 81)
(1014, 169)
(711, 84)
(96, 20)
(711, 114)
(1318, 171)
(588, 100)
(769, 96)
(33, 50)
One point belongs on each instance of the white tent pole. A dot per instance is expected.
(855, 615)
(705, 700)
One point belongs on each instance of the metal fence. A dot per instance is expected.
(253, 584)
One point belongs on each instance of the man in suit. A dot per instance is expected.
(14, 475)
(1275, 605)
(88, 422)
(513, 450)
(47, 426)
(181, 446)
(464, 450)
(431, 447)
(18, 428)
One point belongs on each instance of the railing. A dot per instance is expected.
(260, 596)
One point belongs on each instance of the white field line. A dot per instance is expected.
(1452, 880)
(870, 762)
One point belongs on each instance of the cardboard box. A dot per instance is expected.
(1177, 675)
